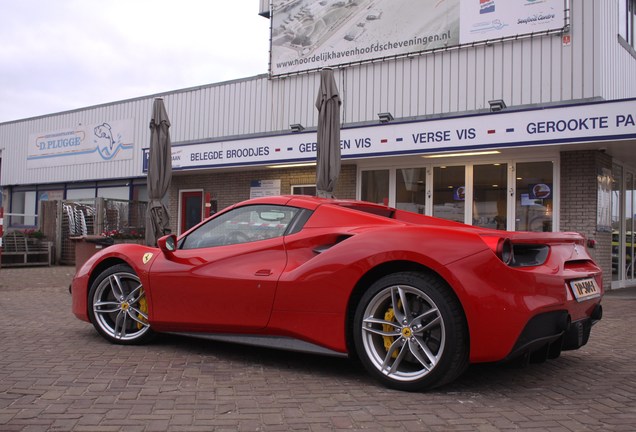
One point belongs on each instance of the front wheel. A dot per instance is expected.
(118, 308)
(410, 332)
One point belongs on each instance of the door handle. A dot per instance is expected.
(263, 272)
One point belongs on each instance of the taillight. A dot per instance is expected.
(504, 251)
(517, 255)
(502, 247)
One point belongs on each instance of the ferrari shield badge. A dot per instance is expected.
(147, 257)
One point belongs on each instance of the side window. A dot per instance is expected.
(242, 225)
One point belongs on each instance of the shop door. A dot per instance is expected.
(619, 257)
(490, 196)
(410, 189)
(534, 197)
(375, 186)
(629, 225)
(191, 212)
(449, 192)
(402, 188)
(623, 225)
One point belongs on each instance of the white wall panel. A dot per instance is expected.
(381, 80)
(578, 40)
(497, 79)
(590, 48)
(454, 77)
(618, 73)
(555, 73)
(397, 107)
(466, 80)
(444, 79)
(14, 138)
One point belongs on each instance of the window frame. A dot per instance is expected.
(627, 25)
(216, 227)
(469, 183)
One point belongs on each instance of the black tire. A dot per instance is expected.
(418, 349)
(117, 307)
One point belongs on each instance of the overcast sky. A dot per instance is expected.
(58, 55)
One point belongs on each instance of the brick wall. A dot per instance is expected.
(231, 187)
(579, 186)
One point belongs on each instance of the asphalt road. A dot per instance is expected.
(57, 374)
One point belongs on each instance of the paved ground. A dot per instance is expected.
(57, 374)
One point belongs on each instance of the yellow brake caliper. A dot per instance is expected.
(143, 308)
(388, 340)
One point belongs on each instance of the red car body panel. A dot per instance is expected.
(229, 291)
(301, 285)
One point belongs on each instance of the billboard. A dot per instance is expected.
(495, 19)
(99, 142)
(311, 34)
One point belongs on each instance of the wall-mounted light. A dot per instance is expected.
(385, 117)
(296, 127)
(477, 153)
(292, 165)
(497, 105)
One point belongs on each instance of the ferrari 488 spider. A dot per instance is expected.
(416, 299)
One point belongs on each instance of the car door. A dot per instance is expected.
(224, 274)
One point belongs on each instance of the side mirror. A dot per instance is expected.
(168, 243)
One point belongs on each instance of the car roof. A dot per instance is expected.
(311, 203)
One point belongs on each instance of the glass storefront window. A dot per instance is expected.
(618, 258)
(410, 189)
(22, 209)
(51, 195)
(80, 194)
(449, 192)
(118, 193)
(116, 190)
(535, 196)
(490, 200)
(629, 225)
(140, 193)
(303, 190)
(24, 204)
(375, 186)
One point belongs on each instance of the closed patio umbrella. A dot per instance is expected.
(159, 173)
(328, 149)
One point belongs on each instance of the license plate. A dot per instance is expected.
(584, 289)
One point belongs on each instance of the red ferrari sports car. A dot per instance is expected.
(416, 299)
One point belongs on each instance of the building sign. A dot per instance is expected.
(310, 34)
(495, 19)
(264, 188)
(100, 142)
(604, 121)
(539, 191)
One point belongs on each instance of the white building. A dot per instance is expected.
(492, 125)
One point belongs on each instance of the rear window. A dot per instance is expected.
(375, 209)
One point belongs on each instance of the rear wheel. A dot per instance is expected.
(118, 308)
(410, 332)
